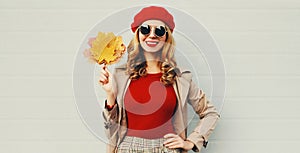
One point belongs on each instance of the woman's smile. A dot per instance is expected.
(152, 43)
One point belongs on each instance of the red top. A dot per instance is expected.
(149, 106)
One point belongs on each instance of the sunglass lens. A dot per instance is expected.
(160, 31)
(145, 29)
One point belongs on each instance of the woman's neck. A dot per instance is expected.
(153, 67)
(152, 62)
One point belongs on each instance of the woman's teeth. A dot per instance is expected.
(151, 43)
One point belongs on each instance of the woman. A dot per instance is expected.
(146, 105)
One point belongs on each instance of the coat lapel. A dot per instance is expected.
(182, 87)
(122, 82)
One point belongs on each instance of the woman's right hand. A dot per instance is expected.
(106, 80)
(107, 84)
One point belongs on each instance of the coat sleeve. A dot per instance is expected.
(208, 117)
(111, 119)
(111, 125)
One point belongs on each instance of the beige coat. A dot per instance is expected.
(186, 92)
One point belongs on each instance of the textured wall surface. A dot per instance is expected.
(259, 41)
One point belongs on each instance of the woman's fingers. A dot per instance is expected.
(103, 79)
(104, 74)
(173, 141)
(169, 140)
(174, 145)
(170, 135)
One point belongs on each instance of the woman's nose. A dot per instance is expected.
(152, 32)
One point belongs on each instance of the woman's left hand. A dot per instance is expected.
(175, 141)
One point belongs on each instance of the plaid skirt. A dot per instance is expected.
(140, 145)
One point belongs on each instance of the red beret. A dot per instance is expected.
(150, 13)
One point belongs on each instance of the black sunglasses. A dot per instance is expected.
(159, 30)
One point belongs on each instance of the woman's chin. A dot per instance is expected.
(151, 49)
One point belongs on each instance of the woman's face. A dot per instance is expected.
(152, 35)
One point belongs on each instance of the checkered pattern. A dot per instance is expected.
(141, 145)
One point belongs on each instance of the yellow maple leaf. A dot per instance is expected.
(106, 48)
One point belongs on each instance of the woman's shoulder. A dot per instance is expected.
(185, 73)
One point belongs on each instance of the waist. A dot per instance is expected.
(150, 132)
(137, 144)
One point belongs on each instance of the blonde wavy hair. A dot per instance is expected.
(136, 62)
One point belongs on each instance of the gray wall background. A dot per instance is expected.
(259, 41)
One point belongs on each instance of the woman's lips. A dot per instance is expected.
(151, 43)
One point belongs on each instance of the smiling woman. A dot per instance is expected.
(146, 105)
